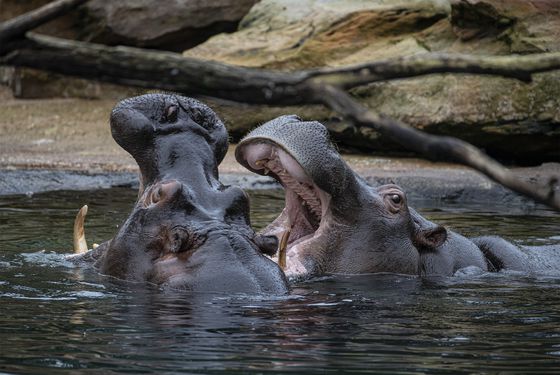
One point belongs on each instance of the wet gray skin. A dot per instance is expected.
(187, 230)
(337, 223)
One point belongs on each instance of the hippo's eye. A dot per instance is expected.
(170, 114)
(394, 201)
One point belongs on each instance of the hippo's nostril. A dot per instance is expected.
(183, 239)
(170, 113)
(165, 191)
(176, 242)
(157, 194)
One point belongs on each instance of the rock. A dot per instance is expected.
(511, 120)
(171, 25)
(293, 34)
(525, 26)
(66, 26)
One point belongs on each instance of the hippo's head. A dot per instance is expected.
(187, 230)
(333, 220)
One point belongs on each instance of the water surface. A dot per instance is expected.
(55, 318)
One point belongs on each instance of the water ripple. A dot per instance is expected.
(55, 317)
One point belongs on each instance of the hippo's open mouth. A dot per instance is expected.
(306, 205)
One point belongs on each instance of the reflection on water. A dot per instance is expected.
(54, 316)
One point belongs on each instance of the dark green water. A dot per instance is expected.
(59, 319)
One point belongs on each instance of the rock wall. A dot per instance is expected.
(166, 25)
(509, 119)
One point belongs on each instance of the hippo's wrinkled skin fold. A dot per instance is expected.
(334, 222)
(187, 230)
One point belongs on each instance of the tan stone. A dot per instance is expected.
(509, 119)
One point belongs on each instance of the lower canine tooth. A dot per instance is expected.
(80, 245)
(282, 249)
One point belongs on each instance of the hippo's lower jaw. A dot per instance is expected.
(306, 215)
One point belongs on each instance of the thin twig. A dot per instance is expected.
(513, 66)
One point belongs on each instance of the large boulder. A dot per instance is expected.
(170, 25)
(520, 26)
(509, 119)
(294, 34)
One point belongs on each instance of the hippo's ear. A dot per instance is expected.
(429, 239)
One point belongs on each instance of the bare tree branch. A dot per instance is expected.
(154, 69)
(517, 67)
(435, 147)
(18, 26)
(171, 71)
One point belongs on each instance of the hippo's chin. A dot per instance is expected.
(306, 215)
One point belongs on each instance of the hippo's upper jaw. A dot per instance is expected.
(186, 230)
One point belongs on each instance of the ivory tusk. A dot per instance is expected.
(80, 245)
(282, 249)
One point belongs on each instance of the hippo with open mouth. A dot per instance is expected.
(187, 230)
(334, 222)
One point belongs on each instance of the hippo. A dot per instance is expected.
(186, 230)
(335, 222)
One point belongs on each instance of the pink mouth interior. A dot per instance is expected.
(306, 204)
